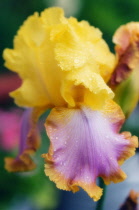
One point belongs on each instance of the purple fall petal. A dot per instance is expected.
(84, 145)
(29, 142)
(25, 127)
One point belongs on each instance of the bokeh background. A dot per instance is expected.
(33, 190)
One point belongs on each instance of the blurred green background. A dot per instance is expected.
(30, 189)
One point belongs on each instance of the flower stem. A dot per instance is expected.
(101, 201)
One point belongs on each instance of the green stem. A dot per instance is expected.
(101, 201)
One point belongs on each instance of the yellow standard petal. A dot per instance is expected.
(50, 51)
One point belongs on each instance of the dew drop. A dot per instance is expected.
(76, 60)
(87, 179)
(116, 139)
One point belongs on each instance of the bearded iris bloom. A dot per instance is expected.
(65, 65)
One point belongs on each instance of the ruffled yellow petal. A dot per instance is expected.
(87, 87)
(53, 16)
(50, 50)
(81, 44)
(34, 60)
(24, 59)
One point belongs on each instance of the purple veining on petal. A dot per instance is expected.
(24, 130)
(85, 144)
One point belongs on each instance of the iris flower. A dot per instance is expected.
(65, 65)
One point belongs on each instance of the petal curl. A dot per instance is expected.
(85, 87)
(84, 146)
(29, 143)
(126, 39)
(126, 35)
